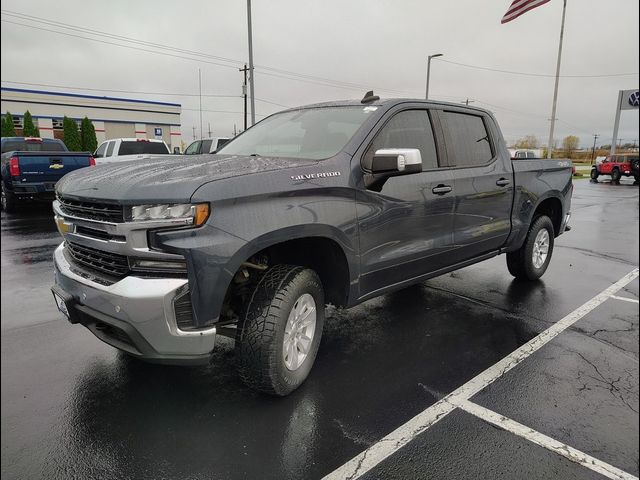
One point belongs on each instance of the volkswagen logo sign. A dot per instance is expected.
(634, 99)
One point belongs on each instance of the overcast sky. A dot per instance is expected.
(355, 45)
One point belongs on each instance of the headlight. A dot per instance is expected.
(192, 214)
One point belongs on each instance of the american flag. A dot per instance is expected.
(518, 7)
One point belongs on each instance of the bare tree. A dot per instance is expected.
(570, 144)
(529, 141)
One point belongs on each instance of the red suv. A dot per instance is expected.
(616, 166)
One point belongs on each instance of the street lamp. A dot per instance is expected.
(429, 72)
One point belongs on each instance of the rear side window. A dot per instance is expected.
(468, 142)
(222, 142)
(34, 146)
(137, 148)
(110, 147)
(407, 129)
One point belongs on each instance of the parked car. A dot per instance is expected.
(122, 149)
(520, 153)
(331, 203)
(207, 145)
(617, 166)
(31, 166)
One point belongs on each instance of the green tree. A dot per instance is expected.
(530, 141)
(88, 135)
(570, 144)
(8, 130)
(28, 127)
(71, 135)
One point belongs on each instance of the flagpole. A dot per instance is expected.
(555, 90)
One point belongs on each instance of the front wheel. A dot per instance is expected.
(278, 338)
(594, 174)
(531, 260)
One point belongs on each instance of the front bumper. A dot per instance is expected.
(134, 314)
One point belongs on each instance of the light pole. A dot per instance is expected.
(429, 72)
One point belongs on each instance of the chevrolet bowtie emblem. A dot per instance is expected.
(56, 166)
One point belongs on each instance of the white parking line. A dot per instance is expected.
(625, 299)
(394, 441)
(549, 443)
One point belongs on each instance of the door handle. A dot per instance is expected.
(441, 189)
(503, 182)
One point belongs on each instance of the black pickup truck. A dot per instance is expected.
(31, 166)
(326, 204)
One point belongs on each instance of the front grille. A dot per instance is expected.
(103, 212)
(105, 262)
(183, 311)
(101, 234)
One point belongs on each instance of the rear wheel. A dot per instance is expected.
(594, 173)
(8, 201)
(278, 338)
(615, 175)
(531, 260)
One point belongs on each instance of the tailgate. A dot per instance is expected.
(43, 167)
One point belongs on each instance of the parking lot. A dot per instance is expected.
(470, 375)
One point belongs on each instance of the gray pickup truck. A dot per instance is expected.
(332, 203)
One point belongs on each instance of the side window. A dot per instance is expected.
(192, 149)
(468, 142)
(407, 129)
(110, 148)
(100, 151)
(206, 146)
(222, 142)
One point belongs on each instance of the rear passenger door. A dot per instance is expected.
(483, 182)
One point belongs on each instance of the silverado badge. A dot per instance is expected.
(309, 176)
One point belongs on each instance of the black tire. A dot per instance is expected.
(8, 201)
(615, 175)
(261, 333)
(520, 262)
(594, 174)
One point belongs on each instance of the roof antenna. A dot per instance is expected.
(369, 97)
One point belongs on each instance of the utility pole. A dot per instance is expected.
(235, 132)
(251, 70)
(244, 92)
(426, 94)
(467, 102)
(194, 132)
(593, 150)
(555, 90)
(200, 94)
(209, 129)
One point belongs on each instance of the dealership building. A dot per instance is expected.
(112, 117)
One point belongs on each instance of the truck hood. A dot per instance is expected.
(164, 179)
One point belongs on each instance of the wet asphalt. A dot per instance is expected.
(73, 407)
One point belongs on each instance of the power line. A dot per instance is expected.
(137, 92)
(270, 71)
(528, 74)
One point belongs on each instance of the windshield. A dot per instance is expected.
(136, 148)
(313, 133)
(32, 146)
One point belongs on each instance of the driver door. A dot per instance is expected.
(406, 229)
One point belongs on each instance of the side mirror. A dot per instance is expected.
(392, 162)
(397, 161)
